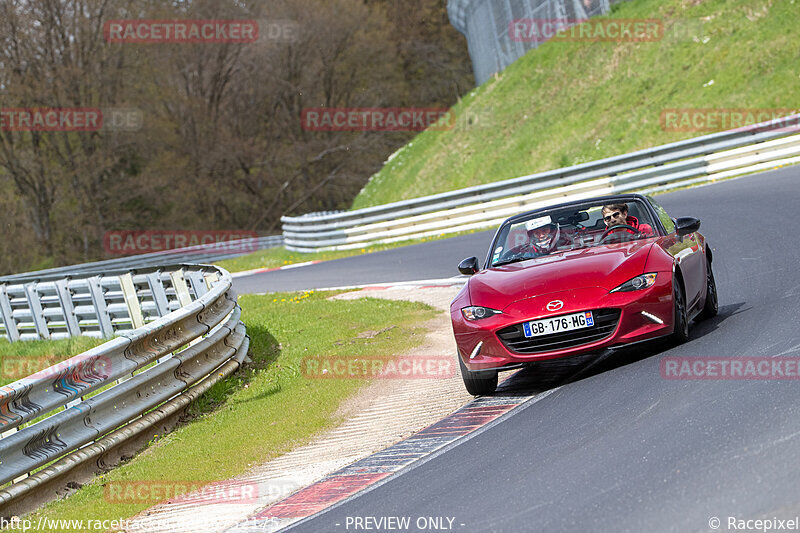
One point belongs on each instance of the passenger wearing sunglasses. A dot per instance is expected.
(617, 215)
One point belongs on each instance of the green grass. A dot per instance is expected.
(567, 103)
(268, 408)
(280, 256)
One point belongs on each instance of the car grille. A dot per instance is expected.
(605, 322)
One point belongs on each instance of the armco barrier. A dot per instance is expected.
(177, 328)
(710, 157)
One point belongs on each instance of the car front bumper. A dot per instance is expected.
(643, 315)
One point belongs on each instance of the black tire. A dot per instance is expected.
(681, 332)
(478, 383)
(711, 307)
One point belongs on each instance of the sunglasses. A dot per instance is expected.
(615, 214)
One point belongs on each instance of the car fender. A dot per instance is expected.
(659, 260)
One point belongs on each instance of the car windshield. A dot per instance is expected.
(583, 225)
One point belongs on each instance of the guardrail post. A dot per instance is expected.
(131, 300)
(198, 283)
(211, 279)
(8, 317)
(100, 307)
(37, 315)
(65, 298)
(181, 289)
(158, 292)
(182, 292)
(134, 308)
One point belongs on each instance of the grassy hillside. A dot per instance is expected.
(570, 102)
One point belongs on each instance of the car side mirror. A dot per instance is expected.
(468, 266)
(686, 225)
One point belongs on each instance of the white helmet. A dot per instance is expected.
(545, 240)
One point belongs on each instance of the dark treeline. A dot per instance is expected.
(220, 143)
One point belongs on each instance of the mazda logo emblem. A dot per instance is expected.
(555, 305)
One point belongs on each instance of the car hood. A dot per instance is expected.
(606, 267)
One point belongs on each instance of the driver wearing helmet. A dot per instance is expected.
(617, 215)
(545, 236)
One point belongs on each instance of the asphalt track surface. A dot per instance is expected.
(617, 447)
(429, 260)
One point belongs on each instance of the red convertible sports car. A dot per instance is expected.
(577, 278)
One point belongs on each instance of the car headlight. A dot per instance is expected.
(645, 281)
(476, 312)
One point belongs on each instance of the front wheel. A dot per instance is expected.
(711, 307)
(478, 383)
(681, 321)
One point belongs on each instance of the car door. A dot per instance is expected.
(688, 253)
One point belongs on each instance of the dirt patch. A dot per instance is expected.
(369, 334)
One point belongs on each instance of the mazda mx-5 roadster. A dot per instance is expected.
(578, 278)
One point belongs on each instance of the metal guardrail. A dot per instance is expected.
(202, 253)
(178, 327)
(679, 164)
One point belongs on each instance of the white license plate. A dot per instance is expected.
(548, 326)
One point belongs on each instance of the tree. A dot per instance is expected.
(54, 57)
(221, 143)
